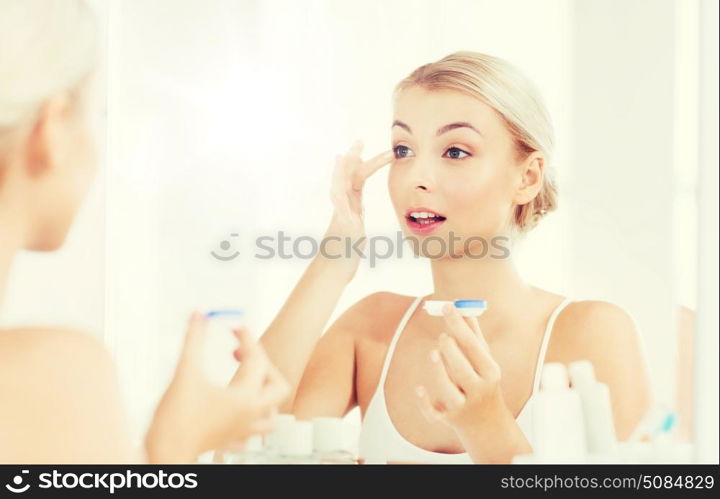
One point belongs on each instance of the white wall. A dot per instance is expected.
(623, 171)
(706, 339)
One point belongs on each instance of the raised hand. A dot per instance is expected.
(469, 389)
(196, 415)
(348, 180)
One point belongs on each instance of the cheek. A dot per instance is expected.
(394, 184)
(54, 206)
(472, 192)
(466, 196)
(480, 202)
(83, 161)
(78, 172)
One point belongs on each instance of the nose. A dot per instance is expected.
(423, 175)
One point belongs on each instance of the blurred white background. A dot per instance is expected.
(224, 118)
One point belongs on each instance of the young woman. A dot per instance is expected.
(470, 169)
(58, 390)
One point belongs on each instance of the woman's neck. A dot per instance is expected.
(492, 279)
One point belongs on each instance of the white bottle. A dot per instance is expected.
(252, 452)
(597, 408)
(272, 440)
(558, 428)
(295, 443)
(329, 441)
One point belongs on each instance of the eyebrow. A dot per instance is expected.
(442, 129)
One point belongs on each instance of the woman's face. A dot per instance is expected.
(454, 158)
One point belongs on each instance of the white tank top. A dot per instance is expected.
(380, 442)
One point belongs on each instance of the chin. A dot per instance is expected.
(433, 247)
(45, 246)
(48, 240)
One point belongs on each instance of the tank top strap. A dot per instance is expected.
(396, 336)
(545, 341)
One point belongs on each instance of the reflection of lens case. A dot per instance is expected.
(467, 308)
(220, 342)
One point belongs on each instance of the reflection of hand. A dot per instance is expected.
(196, 415)
(469, 378)
(348, 179)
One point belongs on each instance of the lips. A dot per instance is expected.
(423, 220)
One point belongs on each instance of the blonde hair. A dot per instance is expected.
(513, 96)
(47, 47)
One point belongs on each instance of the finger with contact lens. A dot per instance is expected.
(369, 167)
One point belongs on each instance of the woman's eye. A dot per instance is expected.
(456, 153)
(401, 151)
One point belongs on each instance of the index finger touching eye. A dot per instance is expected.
(371, 166)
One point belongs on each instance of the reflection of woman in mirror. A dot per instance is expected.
(58, 389)
(471, 157)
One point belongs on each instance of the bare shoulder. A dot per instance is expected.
(606, 335)
(345, 364)
(46, 350)
(588, 326)
(61, 398)
(373, 316)
(32, 338)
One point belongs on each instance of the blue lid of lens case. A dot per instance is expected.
(470, 304)
(227, 312)
(465, 307)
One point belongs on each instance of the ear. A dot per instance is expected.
(44, 137)
(531, 178)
